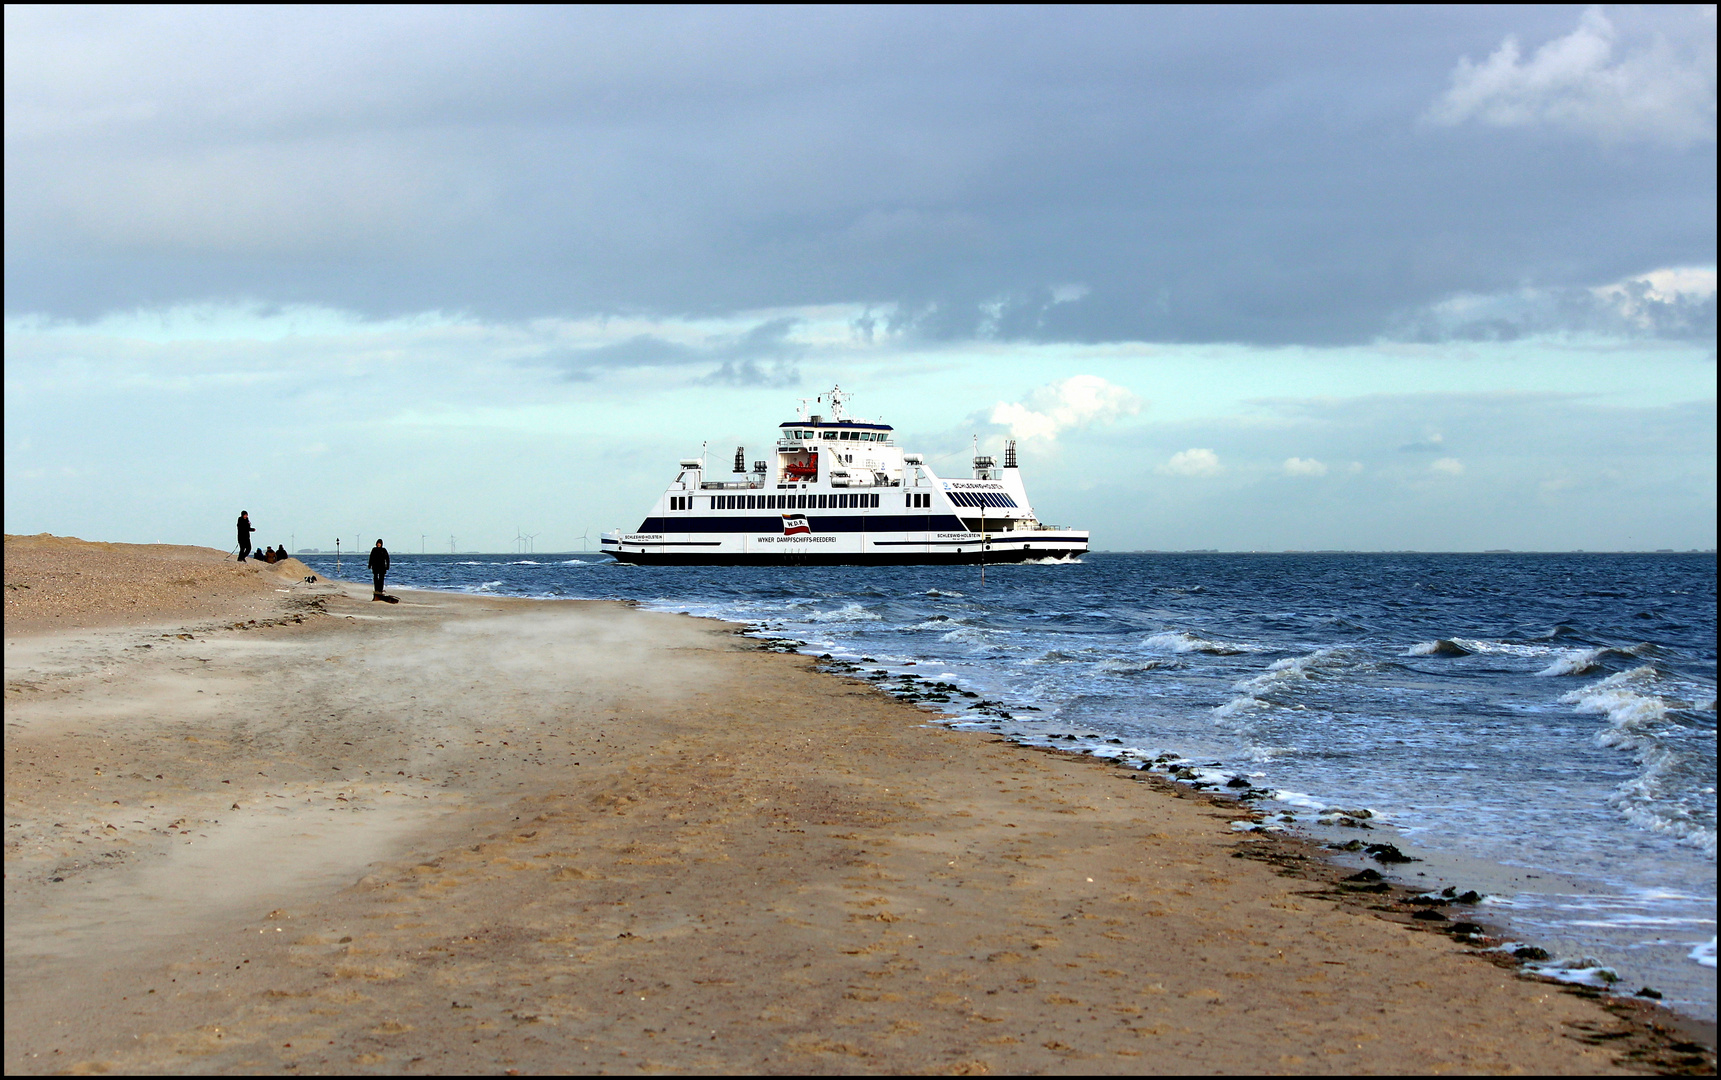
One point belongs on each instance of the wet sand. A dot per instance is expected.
(255, 824)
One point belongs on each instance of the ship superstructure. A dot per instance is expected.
(839, 490)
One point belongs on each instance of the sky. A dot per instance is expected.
(1233, 278)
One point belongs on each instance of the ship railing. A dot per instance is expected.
(731, 485)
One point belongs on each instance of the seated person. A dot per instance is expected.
(269, 555)
(281, 553)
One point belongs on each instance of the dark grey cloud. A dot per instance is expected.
(1255, 175)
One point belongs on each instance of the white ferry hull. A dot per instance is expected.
(847, 548)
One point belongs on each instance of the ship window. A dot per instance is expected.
(872, 501)
(752, 502)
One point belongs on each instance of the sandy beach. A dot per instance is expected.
(256, 823)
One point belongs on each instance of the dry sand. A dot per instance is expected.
(255, 824)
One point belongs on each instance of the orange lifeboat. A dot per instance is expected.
(803, 470)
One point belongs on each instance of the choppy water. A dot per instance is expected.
(1549, 714)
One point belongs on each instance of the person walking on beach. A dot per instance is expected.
(245, 531)
(378, 566)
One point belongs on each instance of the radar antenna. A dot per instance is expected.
(836, 397)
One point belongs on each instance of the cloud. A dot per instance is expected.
(1447, 466)
(1297, 466)
(1672, 303)
(1192, 462)
(1076, 402)
(1658, 90)
(1013, 174)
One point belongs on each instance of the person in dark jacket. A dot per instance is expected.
(378, 567)
(245, 532)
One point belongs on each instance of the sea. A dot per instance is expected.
(1539, 728)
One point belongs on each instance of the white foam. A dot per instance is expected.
(1576, 662)
(966, 635)
(1618, 697)
(1704, 953)
(1184, 642)
(1442, 647)
(1136, 667)
(846, 613)
(1476, 645)
(937, 622)
(1284, 672)
(1299, 800)
(525, 562)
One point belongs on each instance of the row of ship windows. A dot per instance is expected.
(981, 498)
(844, 436)
(781, 502)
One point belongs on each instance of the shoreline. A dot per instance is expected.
(703, 866)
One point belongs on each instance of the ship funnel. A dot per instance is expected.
(1010, 454)
(759, 467)
(740, 459)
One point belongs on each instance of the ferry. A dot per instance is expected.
(836, 491)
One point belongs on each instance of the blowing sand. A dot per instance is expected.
(255, 824)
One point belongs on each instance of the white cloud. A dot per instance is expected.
(1448, 466)
(1297, 466)
(1656, 90)
(1647, 300)
(1076, 402)
(1192, 462)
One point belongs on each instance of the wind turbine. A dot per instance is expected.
(531, 548)
(583, 540)
(519, 541)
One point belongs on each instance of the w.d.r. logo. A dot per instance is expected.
(796, 524)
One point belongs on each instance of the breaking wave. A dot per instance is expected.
(846, 613)
(1183, 642)
(1585, 661)
(1442, 647)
